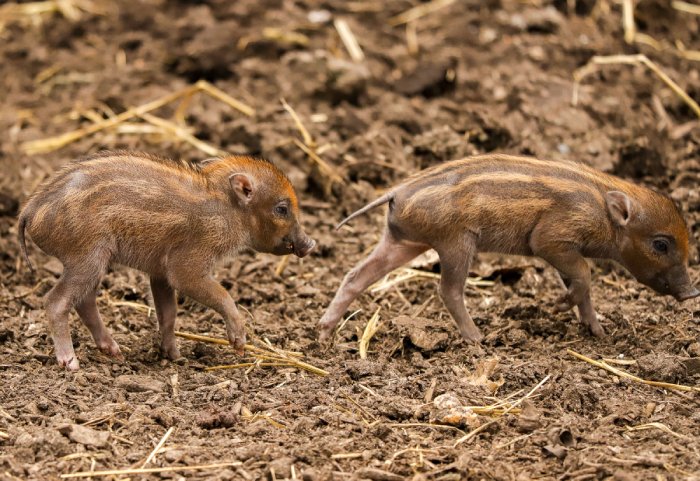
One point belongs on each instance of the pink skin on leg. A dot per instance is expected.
(87, 310)
(58, 306)
(386, 256)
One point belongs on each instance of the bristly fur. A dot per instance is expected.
(181, 164)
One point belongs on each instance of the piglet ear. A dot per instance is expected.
(242, 186)
(619, 207)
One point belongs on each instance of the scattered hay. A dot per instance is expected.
(370, 330)
(51, 144)
(405, 274)
(274, 356)
(349, 40)
(661, 426)
(625, 374)
(639, 59)
(170, 469)
(419, 11)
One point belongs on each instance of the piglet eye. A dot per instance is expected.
(281, 210)
(660, 246)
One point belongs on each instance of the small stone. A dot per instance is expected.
(319, 16)
(429, 79)
(376, 474)
(307, 291)
(85, 435)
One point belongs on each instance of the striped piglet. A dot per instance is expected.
(562, 212)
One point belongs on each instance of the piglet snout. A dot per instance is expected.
(303, 246)
(686, 294)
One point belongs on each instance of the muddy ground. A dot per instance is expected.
(488, 76)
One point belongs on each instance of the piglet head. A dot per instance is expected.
(272, 211)
(652, 241)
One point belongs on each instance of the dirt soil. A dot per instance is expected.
(488, 76)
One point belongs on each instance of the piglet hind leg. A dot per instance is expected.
(205, 290)
(87, 310)
(455, 259)
(74, 288)
(166, 310)
(386, 256)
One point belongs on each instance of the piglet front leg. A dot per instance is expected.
(206, 291)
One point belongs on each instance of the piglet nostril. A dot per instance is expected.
(305, 248)
(688, 294)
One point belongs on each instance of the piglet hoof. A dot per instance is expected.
(237, 341)
(69, 362)
(170, 351)
(111, 348)
(472, 335)
(595, 327)
(325, 331)
(597, 331)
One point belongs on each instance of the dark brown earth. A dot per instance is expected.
(489, 76)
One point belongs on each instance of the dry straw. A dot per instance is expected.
(370, 330)
(169, 469)
(349, 40)
(405, 274)
(661, 426)
(160, 444)
(639, 59)
(309, 147)
(625, 374)
(419, 11)
(268, 355)
(54, 143)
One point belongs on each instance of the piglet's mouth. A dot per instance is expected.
(687, 294)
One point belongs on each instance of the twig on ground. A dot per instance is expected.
(324, 167)
(405, 274)
(370, 330)
(349, 40)
(271, 353)
(686, 7)
(54, 143)
(628, 20)
(7, 415)
(481, 428)
(419, 11)
(425, 425)
(305, 135)
(182, 134)
(346, 455)
(158, 446)
(412, 38)
(282, 265)
(28, 293)
(639, 59)
(661, 426)
(168, 469)
(621, 373)
(133, 305)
